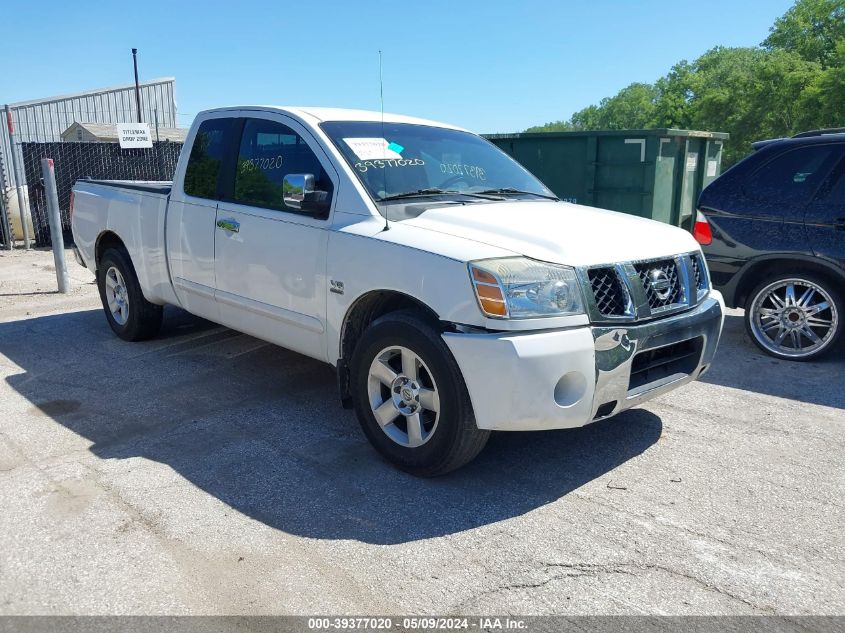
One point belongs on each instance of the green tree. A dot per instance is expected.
(822, 103)
(812, 29)
(552, 126)
(749, 92)
(632, 107)
(672, 107)
(586, 119)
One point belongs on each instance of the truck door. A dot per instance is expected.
(270, 259)
(191, 214)
(825, 217)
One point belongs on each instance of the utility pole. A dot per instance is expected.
(137, 87)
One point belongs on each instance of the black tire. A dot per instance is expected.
(829, 336)
(455, 440)
(144, 318)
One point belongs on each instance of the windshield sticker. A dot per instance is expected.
(381, 164)
(373, 148)
(458, 169)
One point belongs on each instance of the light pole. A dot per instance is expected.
(137, 88)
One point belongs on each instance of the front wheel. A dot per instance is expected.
(795, 317)
(410, 397)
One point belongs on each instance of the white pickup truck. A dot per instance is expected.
(452, 291)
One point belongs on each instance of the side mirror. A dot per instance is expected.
(295, 188)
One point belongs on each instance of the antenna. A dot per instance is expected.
(381, 98)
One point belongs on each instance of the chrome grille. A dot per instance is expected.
(699, 272)
(610, 295)
(661, 281)
(645, 289)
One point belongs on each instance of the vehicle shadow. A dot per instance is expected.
(742, 365)
(261, 429)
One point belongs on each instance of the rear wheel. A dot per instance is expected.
(128, 312)
(410, 397)
(795, 317)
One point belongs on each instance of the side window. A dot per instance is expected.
(834, 194)
(837, 194)
(268, 152)
(791, 177)
(206, 159)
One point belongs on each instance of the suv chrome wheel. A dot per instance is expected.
(793, 318)
(403, 396)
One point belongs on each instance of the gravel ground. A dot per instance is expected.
(206, 472)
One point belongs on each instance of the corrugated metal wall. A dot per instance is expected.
(46, 119)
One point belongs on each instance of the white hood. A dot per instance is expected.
(558, 232)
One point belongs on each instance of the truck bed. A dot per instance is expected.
(136, 212)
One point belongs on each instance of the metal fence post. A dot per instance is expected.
(21, 206)
(52, 196)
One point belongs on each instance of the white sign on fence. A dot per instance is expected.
(134, 135)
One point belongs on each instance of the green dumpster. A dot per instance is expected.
(655, 174)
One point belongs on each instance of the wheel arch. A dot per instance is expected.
(106, 240)
(758, 269)
(361, 313)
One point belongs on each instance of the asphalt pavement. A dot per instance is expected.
(207, 472)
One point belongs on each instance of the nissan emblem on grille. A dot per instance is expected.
(660, 283)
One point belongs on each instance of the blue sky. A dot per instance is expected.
(489, 66)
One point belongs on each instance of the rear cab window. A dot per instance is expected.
(206, 160)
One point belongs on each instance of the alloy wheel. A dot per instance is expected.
(794, 318)
(117, 296)
(403, 396)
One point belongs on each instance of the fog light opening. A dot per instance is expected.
(570, 389)
(605, 410)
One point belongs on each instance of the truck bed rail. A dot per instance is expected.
(160, 187)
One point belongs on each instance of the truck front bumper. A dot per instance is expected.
(568, 378)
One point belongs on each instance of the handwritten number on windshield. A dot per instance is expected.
(473, 171)
(388, 162)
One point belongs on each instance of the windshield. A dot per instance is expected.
(396, 161)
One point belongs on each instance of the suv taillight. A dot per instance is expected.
(701, 231)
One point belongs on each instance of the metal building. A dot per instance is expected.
(107, 133)
(46, 119)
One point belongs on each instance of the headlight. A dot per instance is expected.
(518, 287)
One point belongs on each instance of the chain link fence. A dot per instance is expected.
(99, 161)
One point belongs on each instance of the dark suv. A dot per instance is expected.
(773, 232)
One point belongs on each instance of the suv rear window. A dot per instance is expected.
(791, 177)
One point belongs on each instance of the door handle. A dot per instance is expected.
(839, 224)
(229, 225)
